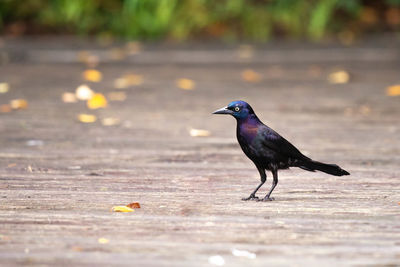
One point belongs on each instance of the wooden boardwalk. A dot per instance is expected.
(59, 178)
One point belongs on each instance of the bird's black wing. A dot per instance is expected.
(272, 141)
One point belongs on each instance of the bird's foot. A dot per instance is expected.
(266, 199)
(251, 197)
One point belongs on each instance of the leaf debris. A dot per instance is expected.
(4, 88)
(86, 118)
(92, 75)
(19, 104)
(97, 101)
(393, 90)
(199, 133)
(339, 77)
(251, 76)
(186, 84)
(122, 209)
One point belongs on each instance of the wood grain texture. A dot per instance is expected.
(55, 198)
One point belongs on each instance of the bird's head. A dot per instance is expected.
(238, 109)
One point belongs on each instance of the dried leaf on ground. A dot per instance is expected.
(122, 209)
(339, 77)
(69, 97)
(117, 96)
(87, 118)
(5, 108)
(92, 75)
(128, 80)
(199, 133)
(4, 87)
(103, 240)
(186, 84)
(97, 101)
(393, 90)
(83, 92)
(19, 104)
(134, 205)
(110, 121)
(251, 76)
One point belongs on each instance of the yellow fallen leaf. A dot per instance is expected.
(393, 90)
(92, 75)
(5, 108)
(87, 118)
(103, 240)
(4, 87)
(18, 104)
(116, 96)
(83, 92)
(97, 101)
(339, 77)
(199, 133)
(122, 209)
(110, 121)
(68, 97)
(185, 84)
(251, 76)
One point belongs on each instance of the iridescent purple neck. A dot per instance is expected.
(251, 119)
(247, 128)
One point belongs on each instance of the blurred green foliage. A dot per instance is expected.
(257, 20)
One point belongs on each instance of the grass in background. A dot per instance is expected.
(257, 20)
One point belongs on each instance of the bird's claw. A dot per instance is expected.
(266, 199)
(251, 197)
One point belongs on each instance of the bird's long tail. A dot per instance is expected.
(333, 169)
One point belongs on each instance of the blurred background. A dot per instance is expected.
(180, 20)
(108, 102)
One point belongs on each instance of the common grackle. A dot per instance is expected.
(267, 149)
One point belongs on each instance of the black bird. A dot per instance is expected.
(267, 149)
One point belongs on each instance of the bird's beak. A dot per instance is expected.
(223, 110)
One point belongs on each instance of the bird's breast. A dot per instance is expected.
(248, 132)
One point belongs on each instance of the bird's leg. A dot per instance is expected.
(274, 183)
(263, 177)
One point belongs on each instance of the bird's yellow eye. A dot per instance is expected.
(237, 109)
